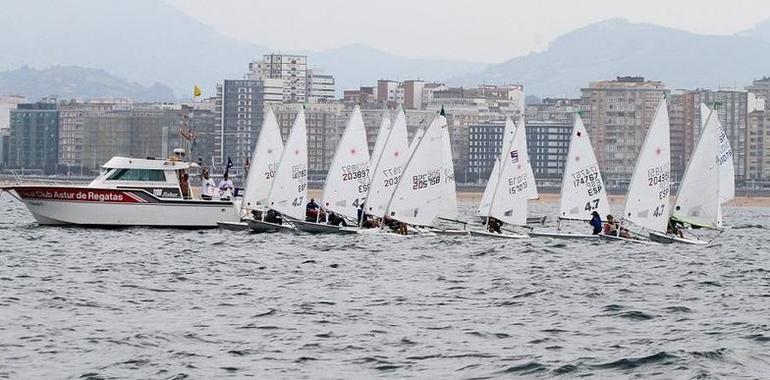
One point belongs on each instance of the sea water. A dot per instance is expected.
(165, 303)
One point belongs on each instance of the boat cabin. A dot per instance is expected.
(161, 178)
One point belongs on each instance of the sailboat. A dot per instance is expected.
(582, 189)
(388, 167)
(508, 201)
(448, 211)
(417, 198)
(725, 156)
(262, 168)
(347, 181)
(698, 203)
(532, 193)
(647, 201)
(288, 191)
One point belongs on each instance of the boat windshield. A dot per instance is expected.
(144, 175)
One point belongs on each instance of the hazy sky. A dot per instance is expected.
(482, 30)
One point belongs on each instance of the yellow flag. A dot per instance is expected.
(196, 91)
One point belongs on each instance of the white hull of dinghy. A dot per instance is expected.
(322, 228)
(499, 236)
(451, 232)
(618, 238)
(668, 239)
(530, 219)
(259, 226)
(233, 226)
(563, 235)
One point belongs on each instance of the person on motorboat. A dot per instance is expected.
(596, 222)
(184, 185)
(226, 187)
(494, 225)
(208, 188)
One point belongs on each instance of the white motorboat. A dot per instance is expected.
(130, 192)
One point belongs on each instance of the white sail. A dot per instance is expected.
(382, 136)
(417, 197)
(288, 194)
(532, 185)
(348, 179)
(449, 198)
(647, 201)
(697, 201)
(264, 163)
(494, 176)
(486, 197)
(582, 189)
(509, 199)
(727, 167)
(390, 165)
(415, 139)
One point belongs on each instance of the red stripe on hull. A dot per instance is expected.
(75, 194)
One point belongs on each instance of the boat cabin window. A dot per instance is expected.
(146, 175)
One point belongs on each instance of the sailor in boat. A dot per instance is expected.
(596, 222)
(675, 228)
(612, 228)
(313, 212)
(272, 216)
(368, 220)
(494, 225)
(226, 187)
(361, 214)
(336, 220)
(395, 226)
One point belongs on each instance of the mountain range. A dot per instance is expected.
(144, 45)
(617, 47)
(69, 82)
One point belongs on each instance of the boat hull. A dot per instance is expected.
(563, 235)
(451, 232)
(259, 226)
(530, 219)
(321, 228)
(498, 236)
(668, 239)
(94, 207)
(618, 238)
(233, 226)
